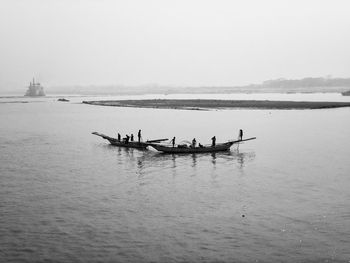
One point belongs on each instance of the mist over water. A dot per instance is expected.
(68, 195)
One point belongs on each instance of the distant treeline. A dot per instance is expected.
(305, 85)
(306, 82)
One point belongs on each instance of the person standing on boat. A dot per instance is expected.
(119, 136)
(213, 140)
(139, 135)
(240, 136)
(127, 137)
(194, 143)
(173, 142)
(132, 137)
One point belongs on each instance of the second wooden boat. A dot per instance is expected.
(204, 149)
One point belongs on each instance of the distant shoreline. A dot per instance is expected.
(280, 85)
(199, 104)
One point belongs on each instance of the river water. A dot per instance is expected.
(68, 196)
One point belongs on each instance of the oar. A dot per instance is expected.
(157, 140)
(253, 138)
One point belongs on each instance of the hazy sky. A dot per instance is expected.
(171, 42)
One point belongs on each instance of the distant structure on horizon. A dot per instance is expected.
(35, 90)
(346, 93)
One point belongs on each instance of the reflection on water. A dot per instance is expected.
(149, 160)
(194, 160)
(213, 160)
(241, 157)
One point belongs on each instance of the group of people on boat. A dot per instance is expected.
(130, 138)
(194, 144)
(213, 140)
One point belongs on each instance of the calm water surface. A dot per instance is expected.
(69, 196)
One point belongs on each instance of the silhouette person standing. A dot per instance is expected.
(127, 138)
(173, 142)
(194, 142)
(139, 135)
(240, 134)
(119, 136)
(132, 137)
(213, 140)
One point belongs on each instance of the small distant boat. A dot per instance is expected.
(62, 99)
(130, 144)
(35, 90)
(219, 147)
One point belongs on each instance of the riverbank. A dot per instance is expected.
(197, 104)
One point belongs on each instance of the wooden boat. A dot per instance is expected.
(63, 99)
(205, 149)
(130, 144)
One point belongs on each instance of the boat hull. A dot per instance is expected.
(139, 145)
(218, 148)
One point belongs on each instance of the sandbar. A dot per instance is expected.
(207, 104)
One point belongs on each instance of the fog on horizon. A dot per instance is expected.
(178, 43)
